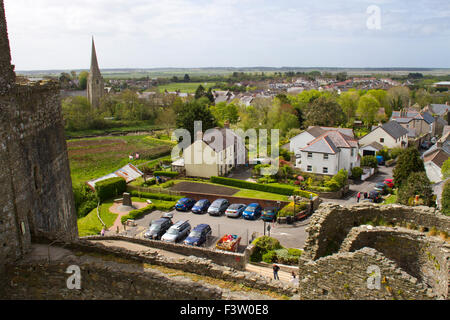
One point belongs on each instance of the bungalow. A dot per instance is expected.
(330, 152)
(389, 135)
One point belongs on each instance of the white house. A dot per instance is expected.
(389, 135)
(433, 165)
(330, 152)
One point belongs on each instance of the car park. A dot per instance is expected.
(177, 232)
(201, 206)
(269, 214)
(158, 228)
(218, 207)
(375, 196)
(252, 212)
(235, 210)
(185, 204)
(198, 235)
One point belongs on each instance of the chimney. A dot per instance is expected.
(226, 125)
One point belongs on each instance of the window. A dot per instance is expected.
(382, 140)
(325, 170)
(353, 152)
(325, 157)
(310, 155)
(309, 169)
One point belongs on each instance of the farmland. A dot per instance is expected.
(185, 87)
(95, 157)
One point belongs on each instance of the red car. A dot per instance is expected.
(389, 183)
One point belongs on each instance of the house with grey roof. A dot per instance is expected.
(328, 153)
(417, 123)
(390, 135)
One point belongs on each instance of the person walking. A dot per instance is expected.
(294, 279)
(358, 197)
(365, 195)
(275, 272)
(103, 232)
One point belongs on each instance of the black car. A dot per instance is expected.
(375, 196)
(158, 228)
(199, 235)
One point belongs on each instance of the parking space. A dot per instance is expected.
(290, 236)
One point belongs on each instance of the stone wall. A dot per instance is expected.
(224, 258)
(330, 224)
(344, 276)
(7, 75)
(425, 258)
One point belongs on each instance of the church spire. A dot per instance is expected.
(94, 62)
(95, 85)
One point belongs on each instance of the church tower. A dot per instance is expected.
(95, 83)
(7, 75)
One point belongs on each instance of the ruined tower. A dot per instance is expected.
(36, 198)
(95, 83)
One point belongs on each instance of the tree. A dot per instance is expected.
(187, 78)
(82, 78)
(293, 133)
(324, 111)
(368, 107)
(167, 119)
(398, 98)
(416, 184)
(200, 92)
(446, 199)
(349, 103)
(193, 111)
(445, 170)
(223, 111)
(409, 161)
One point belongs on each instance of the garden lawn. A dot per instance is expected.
(95, 157)
(90, 225)
(391, 199)
(247, 193)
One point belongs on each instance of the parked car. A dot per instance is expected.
(198, 235)
(269, 214)
(375, 196)
(380, 160)
(218, 207)
(252, 212)
(201, 206)
(381, 187)
(389, 183)
(235, 210)
(185, 204)
(158, 228)
(177, 232)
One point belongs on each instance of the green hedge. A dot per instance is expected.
(110, 188)
(156, 196)
(136, 214)
(169, 174)
(287, 190)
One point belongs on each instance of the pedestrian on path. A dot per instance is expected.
(294, 279)
(365, 195)
(358, 197)
(103, 232)
(117, 230)
(275, 272)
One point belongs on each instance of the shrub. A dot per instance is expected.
(417, 184)
(332, 185)
(283, 257)
(384, 153)
(85, 199)
(395, 152)
(150, 182)
(156, 196)
(446, 199)
(369, 161)
(408, 162)
(110, 188)
(136, 214)
(270, 257)
(357, 173)
(295, 252)
(169, 174)
(263, 245)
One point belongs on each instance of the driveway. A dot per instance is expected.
(290, 236)
(364, 186)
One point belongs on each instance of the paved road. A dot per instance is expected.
(365, 186)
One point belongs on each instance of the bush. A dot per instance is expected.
(85, 199)
(446, 199)
(149, 183)
(395, 152)
(369, 161)
(110, 188)
(332, 185)
(416, 184)
(408, 162)
(357, 173)
(270, 257)
(169, 174)
(156, 196)
(284, 190)
(263, 245)
(136, 214)
(283, 257)
(384, 153)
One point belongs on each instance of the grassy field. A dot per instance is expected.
(140, 126)
(190, 87)
(95, 157)
(90, 225)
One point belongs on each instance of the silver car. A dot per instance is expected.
(218, 207)
(177, 232)
(235, 210)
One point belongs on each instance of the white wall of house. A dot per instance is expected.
(433, 172)
(383, 138)
(318, 162)
(348, 159)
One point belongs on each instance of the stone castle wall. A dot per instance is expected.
(425, 258)
(330, 225)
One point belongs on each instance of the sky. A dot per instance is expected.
(56, 34)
